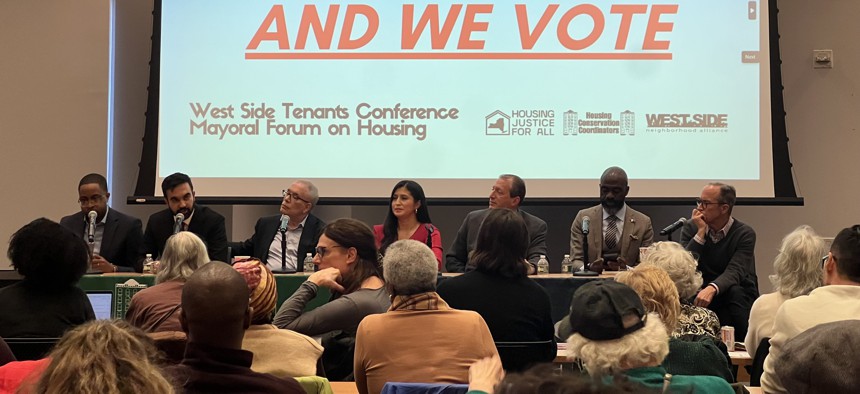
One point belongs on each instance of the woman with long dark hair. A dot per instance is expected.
(408, 218)
(348, 266)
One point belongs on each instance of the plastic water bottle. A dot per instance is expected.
(566, 265)
(542, 266)
(147, 264)
(309, 263)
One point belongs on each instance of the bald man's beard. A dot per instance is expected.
(611, 206)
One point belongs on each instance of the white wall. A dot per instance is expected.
(65, 68)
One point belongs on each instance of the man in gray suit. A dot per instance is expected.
(508, 192)
(616, 230)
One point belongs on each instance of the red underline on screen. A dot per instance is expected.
(453, 56)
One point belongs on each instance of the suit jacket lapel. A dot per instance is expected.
(267, 238)
(627, 232)
(111, 225)
(595, 236)
(81, 221)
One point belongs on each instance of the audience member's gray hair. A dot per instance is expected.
(797, 268)
(645, 347)
(184, 252)
(409, 267)
(313, 192)
(679, 264)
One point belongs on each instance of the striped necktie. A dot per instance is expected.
(611, 232)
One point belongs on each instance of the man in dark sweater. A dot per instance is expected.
(725, 249)
(215, 315)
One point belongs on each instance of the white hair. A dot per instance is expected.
(184, 252)
(645, 347)
(409, 267)
(679, 264)
(313, 192)
(797, 269)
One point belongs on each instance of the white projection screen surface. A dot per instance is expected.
(358, 95)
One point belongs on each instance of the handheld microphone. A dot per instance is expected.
(285, 220)
(91, 226)
(177, 222)
(674, 226)
(586, 222)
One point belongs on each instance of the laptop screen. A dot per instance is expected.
(101, 302)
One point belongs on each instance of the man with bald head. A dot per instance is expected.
(215, 315)
(616, 231)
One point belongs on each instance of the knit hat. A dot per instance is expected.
(262, 288)
(822, 359)
(598, 309)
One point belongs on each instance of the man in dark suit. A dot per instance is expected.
(202, 221)
(117, 236)
(508, 192)
(617, 230)
(301, 235)
(725, 250)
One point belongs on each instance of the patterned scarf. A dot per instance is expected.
(429, 301)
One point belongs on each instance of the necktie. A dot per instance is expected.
(611, 232)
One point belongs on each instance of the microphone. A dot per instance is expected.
(177, 222)
(586, 222)
(91, 226)
(674, 226)
(284, 221)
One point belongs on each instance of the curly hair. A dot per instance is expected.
(679, 264)
(796, 267)
(647, 346)
(656, 290)
(104, 356)
(410, 268)
(48, 255)
(184, 252)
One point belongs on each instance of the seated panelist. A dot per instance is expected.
(288, 248)
(408, 218)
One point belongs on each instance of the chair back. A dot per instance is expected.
(424, 388)
(31, 348)
(757, 367)
(519, 356)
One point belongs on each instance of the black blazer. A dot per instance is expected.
(121, 241)
(206, 224)
(265, 231)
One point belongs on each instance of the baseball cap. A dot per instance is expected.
(598, 309)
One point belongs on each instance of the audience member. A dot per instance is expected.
(301, 236)
(117, 236)
(47, 301)
(413, 341)
(486, 377)
(658, 295)
(202, 221)
(215, 314)
(508, 192)
(515, 307)
(725, 248)
(283, 353)
(822, 359)
(617, 230)
(347, 260)
(156, 308)
(693, 321)
(103, 356)
(408, 218)
(613, 335)
(797, 271)
(838, 299)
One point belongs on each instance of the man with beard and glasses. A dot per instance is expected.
(616, 230)
(202, 221)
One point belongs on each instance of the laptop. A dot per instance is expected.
(102, 301)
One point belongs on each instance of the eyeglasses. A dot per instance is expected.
(322, 250)
(94, 199)
(704, 204)
(824, 259)
(293, 195)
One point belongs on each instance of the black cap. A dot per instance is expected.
(598, 308)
